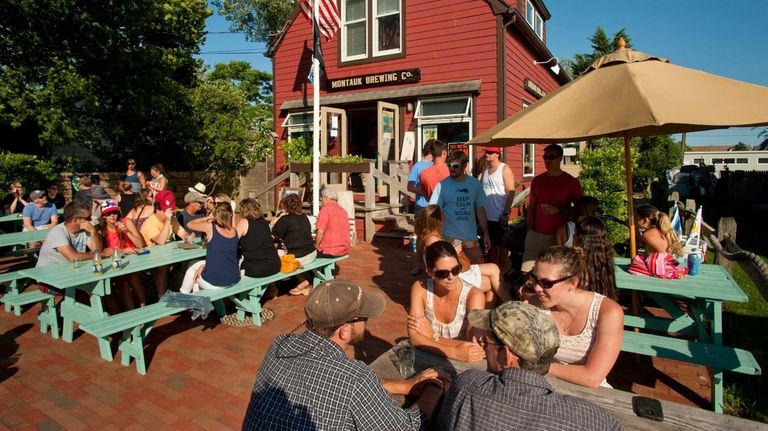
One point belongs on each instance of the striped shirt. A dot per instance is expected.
(517, 399)
(307, 382)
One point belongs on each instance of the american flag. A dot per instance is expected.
(328, 17)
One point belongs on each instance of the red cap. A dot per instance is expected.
(166, 200)
(496, 150)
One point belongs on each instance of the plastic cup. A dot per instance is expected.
(76, 262)
(406, 355)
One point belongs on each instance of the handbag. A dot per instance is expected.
(288, 263)
(659, 264)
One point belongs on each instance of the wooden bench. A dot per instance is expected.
(135, 325)
(714, 356)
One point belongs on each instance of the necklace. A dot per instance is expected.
(566, 329)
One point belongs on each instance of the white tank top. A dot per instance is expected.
(496, 194)
(454, 328)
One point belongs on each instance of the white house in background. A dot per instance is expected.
(735, 160)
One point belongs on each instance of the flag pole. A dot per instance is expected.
(315, 113)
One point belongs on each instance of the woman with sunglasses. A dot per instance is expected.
(591, 326)
(437, 321)
(115, 233)
(484, 276)
(134, 177)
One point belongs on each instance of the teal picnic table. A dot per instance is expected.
(692, 333)
(16, 219)
(22, 238)
(69, 279)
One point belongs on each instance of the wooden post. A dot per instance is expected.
(726, 226)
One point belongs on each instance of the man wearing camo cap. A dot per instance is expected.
(520, 341)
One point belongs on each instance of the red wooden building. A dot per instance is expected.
(401, 71)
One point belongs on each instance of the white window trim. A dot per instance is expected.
(533, 19)
(468, 108)
(375, 32)
(532, 148)
(344, 24)
(286, 122)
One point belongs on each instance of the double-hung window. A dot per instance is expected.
(533, 18)
(371, 28)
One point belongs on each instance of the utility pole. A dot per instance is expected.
(682, 150)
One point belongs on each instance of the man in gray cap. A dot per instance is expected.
(519, 341)
(307, 382)
(194, 203)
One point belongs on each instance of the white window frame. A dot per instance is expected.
(526, 149)
(344, 24)
(534, 20)
(298, 127)
(371, 32)
(421, 117)
(375, 32)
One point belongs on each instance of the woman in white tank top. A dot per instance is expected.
(439, 305)
(591, 326)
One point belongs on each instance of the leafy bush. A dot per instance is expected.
(297, 148)
(31, 171)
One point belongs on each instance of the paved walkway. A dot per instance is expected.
(200, 373)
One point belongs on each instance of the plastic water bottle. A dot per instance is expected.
(97, 268)
(117, 259)
(412, 242)
(694, 260)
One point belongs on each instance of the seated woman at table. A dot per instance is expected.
(292, 227)
(260, 257)
(439, 305)
(115, 234)
(656, 231)
(220, 268)
(484, 276)
(591, 326)
(591, 235)
(142, 209)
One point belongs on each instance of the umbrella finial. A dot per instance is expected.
(621, 43)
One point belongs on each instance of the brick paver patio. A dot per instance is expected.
(200, 373)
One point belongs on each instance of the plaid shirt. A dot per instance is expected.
(518, 399)
(307, 382)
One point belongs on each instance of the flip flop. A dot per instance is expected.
(302, 289)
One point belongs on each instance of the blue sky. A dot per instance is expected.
(724, 38)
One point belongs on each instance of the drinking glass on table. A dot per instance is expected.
(406, 355)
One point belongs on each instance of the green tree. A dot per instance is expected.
(657, 154)
(742, 147)
(602, 176)
(601, 45)
(257, 89)
(225, 148)
(113, 76)
(259, 19)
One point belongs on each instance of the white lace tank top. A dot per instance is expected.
(455, 328)
(574, 349)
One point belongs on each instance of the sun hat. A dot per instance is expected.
(35, 194)
(496, 150)
(525, 329)
(98, 192)
(166, 200)
(335, 302)
(109, 206)
(199, 188)
(194, 197)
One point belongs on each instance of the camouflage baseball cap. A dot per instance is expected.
(526, 330)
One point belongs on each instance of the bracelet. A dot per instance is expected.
(435, 337)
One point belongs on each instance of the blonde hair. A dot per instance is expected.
(250, 209)
(222, 215)
(661, 221)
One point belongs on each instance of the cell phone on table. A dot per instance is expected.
(648, 408)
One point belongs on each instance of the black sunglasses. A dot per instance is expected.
(454, 165)
(485, 342)
(442, 274)
(543, 282)
(550, 157)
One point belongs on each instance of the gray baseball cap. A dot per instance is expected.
(335, 302)
(527, 330)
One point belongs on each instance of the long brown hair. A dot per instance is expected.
(592, 236)
(430, 220)
(222, 215)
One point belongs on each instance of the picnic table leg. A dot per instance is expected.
(48, 317)
(67, 306)
(717, 338)
(13, 290)
(98, 313)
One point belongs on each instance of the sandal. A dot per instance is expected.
(302, 289)
(266, 314)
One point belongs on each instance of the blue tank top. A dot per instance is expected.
(132, 178)
(221, 265)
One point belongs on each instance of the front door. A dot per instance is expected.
(388, 137)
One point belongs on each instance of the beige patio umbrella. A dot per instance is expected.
(629, 93)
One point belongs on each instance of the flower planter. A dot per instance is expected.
(348, 168)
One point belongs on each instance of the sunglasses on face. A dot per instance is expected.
(543, 282)
(550, 157)
(454, 165)
(358, 319)
(487, 342)
(442, 274)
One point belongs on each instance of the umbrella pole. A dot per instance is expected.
(630, 215)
